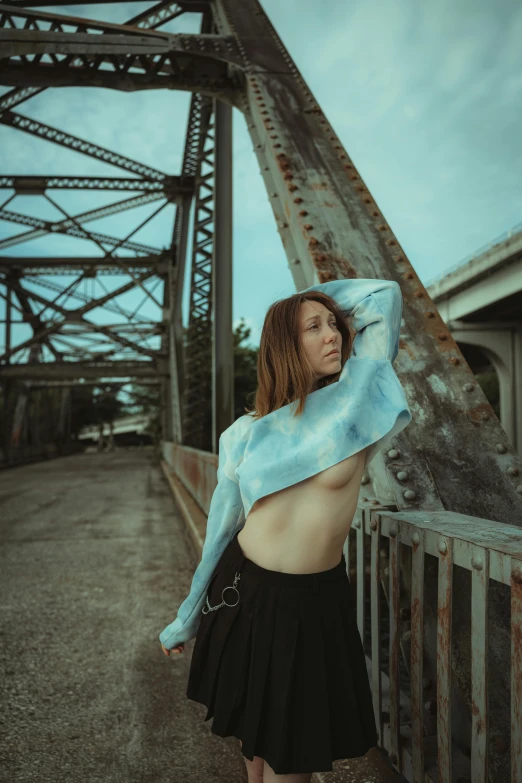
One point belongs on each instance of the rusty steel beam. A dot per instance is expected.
(34, 265)
(75, 316)
(72, 228)
(50, 384)
(170, 187)
(79, 370)
(83, 146)
(337, 230)
(208, 53)
(165, 11)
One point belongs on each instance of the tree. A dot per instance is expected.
(245, 370)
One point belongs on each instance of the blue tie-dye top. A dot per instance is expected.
(366, 407)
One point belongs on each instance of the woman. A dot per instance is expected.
(278, 659)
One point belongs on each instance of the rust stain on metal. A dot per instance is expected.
(500, 744)
(476, 414)
(283, 162)
(516, 666)
(444, 662)
(415, 618)
(331, 266)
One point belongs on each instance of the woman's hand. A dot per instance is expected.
(177, 649)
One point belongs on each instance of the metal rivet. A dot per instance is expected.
(501, 448)
(415, 538)
(393, 531)
(468, 387)
(373, 524)
(409, 494)
(393, 454)
(357, 523)
(365, 479)
(402, 475)
(476, 562)
(443, 547)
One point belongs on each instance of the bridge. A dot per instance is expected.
(481, 301)
(137, 423)
(100, 548)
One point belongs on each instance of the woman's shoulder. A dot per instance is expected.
(238, 427)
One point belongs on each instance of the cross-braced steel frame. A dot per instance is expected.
(454, 455)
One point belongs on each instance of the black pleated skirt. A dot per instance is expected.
(281, 665)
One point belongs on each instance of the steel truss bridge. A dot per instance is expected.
(440, 514)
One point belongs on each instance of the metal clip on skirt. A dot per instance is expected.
(223, 602)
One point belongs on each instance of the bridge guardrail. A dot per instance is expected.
(489, 550)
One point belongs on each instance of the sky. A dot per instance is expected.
(425, 97)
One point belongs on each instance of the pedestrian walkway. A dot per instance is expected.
(95, 559)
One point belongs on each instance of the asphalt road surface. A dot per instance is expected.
(94, 563)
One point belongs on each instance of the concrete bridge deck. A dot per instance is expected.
(95, 559)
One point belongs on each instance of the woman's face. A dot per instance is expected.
(320, 335)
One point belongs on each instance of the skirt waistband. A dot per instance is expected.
(235, 554)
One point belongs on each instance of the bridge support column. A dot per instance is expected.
(223, 338)
(503, 347)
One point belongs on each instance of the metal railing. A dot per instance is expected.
(490, 550)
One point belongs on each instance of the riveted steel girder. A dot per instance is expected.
(79, 370)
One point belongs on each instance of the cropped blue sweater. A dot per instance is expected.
(366, 407)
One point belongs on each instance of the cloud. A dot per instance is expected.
(426, 98)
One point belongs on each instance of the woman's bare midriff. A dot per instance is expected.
(302, 529)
